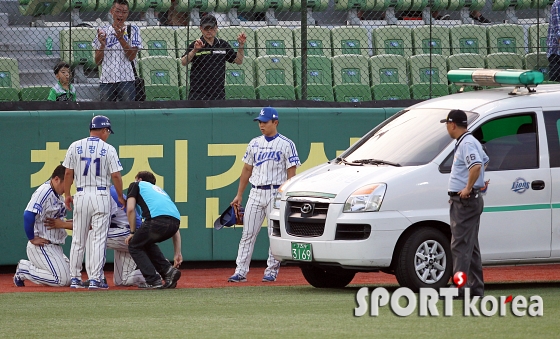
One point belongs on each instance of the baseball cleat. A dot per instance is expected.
(76, 283)
(237, 278)
(85, 284)
(155, 286)
(97, 285)
(172, 277)
(18, 281)
(268, 278)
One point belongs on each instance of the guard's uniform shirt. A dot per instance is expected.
(153, 201)
(208, 70)
(468, 152)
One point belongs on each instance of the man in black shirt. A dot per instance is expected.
(208, 56)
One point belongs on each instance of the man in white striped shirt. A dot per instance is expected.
(47, 264)
(91, 163)
(269, 161)
(115, 49)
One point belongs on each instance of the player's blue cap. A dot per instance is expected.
(227, 219)
(267, 114)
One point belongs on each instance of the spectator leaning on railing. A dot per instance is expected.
(114, 51)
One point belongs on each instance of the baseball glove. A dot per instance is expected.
(239, 211)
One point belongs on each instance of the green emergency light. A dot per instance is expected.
(496, 77)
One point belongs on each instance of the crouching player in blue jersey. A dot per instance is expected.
(161, 222)
(47, 264)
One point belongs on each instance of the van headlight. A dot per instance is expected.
(366, 199)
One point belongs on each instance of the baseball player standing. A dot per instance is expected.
(269, 161)
(47, 263)
(465, 201)
(91, 163)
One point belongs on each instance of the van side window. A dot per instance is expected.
(552, 125)
(510, 142)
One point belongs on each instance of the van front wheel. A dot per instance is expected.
(322, 278)
(424, 260)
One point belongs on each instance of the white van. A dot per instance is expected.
(383, 204)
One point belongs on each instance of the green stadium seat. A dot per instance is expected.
(161, 78)
(504, 61)
(538, 62)
(392, 40)
(473, 5)
(184, 36)
(145, 5)
(279, 5)
(469, 39)
(319, 78)
(439, 40)
(351, 78)
(240, 82)
(104, 5)
(232, 7)
(506, 38)
(435, 5)
(318, 41)
(81, 6)
(35, 93)
(158, 41)
(510, 6)
(345, 5)
(350, 40)
(9, 79)
(194, 7)
(389, 77)
(230, 35)
(428, 76)
(537, 37)
(79, 51)
(312, 6)
(44, 7)
(275, 79)
(274, 41)
(464, 60)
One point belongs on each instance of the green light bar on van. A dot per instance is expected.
(495, 77)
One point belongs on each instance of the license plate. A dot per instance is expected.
(301, 251)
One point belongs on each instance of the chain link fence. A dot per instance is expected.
(324, 50)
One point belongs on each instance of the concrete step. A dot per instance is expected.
(36, 77)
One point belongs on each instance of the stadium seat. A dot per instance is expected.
(390, 6)
(506, 38)
(183, 76)
(275, 79)
(510, 6)
(161, 78)
(232, 7)
(269, 7)
(9, 79)
(538, 62)
(392, 40)
(504, 61)
(230, 35)
(464, 60)
(35, 93)
(428, 76)
(81, 6)
(469, 39)
(318, 41)
(312, 6)
(465, 7)
(104, 5)
(389, 77)
(433, 40)
(537, 37)
(194, 7)
(184, 36)
(351, 78)
(350, 40)
(43, 7)
(158, 41)
(240, 82)
(274, 41)
(79, 51)
(319, 78)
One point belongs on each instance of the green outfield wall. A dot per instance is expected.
(195, 153)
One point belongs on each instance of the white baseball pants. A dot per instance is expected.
(47, 265)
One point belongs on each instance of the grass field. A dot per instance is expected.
(255, 312)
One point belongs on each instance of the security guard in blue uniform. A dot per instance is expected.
(465, 201)
(161, 222)
(208, 56)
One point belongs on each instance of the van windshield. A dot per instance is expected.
(413, 138)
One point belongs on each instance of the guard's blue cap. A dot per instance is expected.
(267, 114)
(227, 219)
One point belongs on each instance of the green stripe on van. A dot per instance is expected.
(520, 208)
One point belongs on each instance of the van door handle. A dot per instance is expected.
(537, 185)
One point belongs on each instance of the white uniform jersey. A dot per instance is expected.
(118, 216)
(93, 160)
(47, 204)
(270, 158)
(116, 67)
